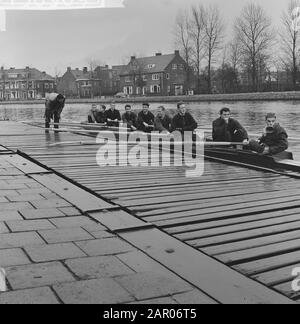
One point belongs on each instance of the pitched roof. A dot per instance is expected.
(34, 74)
(153, 64)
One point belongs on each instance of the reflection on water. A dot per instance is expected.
(250, 114)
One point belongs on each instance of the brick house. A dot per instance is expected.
(23, 84)
(159, 75)
(79, 84)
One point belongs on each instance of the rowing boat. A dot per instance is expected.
(223, 152)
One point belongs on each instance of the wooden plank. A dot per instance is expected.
(268, 264)
(222, 215)
(286, 289)
(80, 198)
(251, 243)
(203, 233)
(233, 195)
(231, 221)
(278, 276)
(260, 252)
(24, 165)
(218, 281)
(239, 236)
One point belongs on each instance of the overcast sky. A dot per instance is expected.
(53, 40)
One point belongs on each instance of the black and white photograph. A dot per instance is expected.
(149, 155)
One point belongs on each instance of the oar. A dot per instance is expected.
(101, 126)
(208, 144)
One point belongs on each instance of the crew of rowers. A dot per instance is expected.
(145, 121)
(224, 129)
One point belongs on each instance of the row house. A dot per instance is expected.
(159, 75)
(23, 84)
(79, 84)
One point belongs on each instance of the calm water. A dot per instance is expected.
(250, 114)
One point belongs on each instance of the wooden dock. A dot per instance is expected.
(245, 219)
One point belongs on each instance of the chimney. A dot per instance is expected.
(133, 58)
(69, 69)
(158, 54)
(27, 67)
(177, 53)
(12, 68)
(85, 69)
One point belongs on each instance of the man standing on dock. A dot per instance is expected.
(227, 129)
(55, 104)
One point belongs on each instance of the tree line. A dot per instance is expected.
(258, 52)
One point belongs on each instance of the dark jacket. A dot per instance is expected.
(100, 117)
(277, 140)
(231, 132)
(163, 124)
(184, 123)
(130, 119)
(145, 118)
(54, 108)
(113, 115)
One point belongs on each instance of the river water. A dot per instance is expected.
(250, 114)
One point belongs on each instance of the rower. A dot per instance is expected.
(54, 104)
(129, 118)
(101, 115)
(145, 120)
(92, 116)
(113, 116)
(228, 129)
(274, 139)
(162, 121)
(183, 121)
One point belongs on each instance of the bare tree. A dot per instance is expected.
(183, 39)
(93, 63)
(289, 40)
(182, 33)
(213, 37)
(197, 34)
(253, 31)
(235, 54)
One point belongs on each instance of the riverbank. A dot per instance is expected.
(263, 96)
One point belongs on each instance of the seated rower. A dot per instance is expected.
(92, 114)
(113, 116)
(227, 129)
(129, 118)
(183, 121)
(145, 120)
(274, 139)
(162, 121)
(101, 115)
